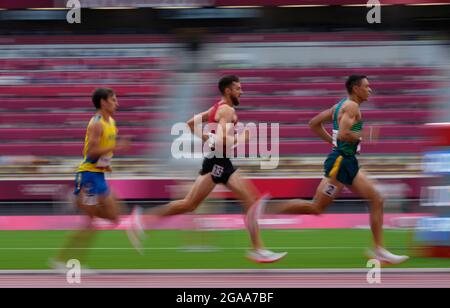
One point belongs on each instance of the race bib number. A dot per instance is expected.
(212, 141)
(90, 200)
(335, 134)
(217, 171)
(358, 148)
(330, 190)
(104, 162)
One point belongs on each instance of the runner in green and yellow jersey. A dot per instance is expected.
(341, 166)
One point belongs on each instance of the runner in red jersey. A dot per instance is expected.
(217, 168)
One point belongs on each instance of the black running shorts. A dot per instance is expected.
(220, 168)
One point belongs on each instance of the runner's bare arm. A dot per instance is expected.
(199, 118)
(316, 124)
(348, 119)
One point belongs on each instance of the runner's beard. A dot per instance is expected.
(235, 100)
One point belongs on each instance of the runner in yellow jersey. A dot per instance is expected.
(93, 195)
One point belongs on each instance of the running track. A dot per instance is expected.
(412, 278)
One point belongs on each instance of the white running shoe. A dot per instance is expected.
(265, 256)
(135, 230)
(385, 256)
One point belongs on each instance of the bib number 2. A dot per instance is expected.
(330, 190)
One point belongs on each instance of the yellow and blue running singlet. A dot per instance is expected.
(90, 175)
(108, 139)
